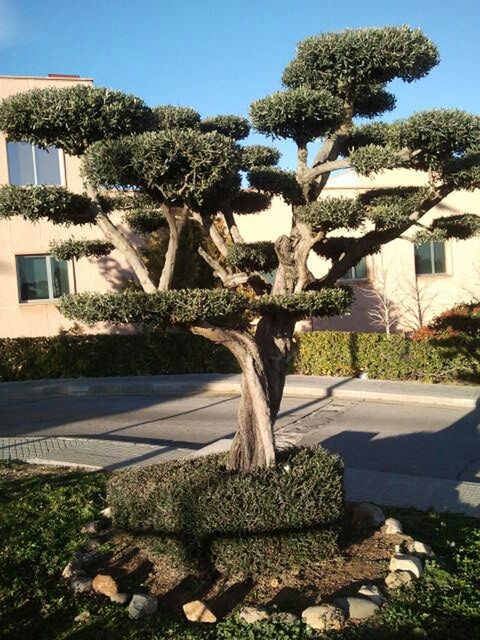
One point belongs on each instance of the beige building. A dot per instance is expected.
(407, 284)
(30, 281)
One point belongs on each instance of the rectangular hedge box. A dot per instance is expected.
(257, 523)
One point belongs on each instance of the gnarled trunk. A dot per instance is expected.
(254, 443)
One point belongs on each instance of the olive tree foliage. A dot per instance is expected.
(163, 167)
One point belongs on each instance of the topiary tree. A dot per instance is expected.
(164, 166)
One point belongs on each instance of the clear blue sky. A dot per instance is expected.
(219, 55)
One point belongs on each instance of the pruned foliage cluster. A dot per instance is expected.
(56, 204)
(72, 118)
(331, 213)
(190, 306)
(253, 256)
(80, 248)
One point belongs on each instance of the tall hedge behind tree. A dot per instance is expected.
(164, 166)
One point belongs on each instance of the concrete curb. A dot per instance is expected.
(229, 384)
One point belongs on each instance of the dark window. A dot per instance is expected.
(358, 272)
(28, 164)
(41, 277)
(430, 258)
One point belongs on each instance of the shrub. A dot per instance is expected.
(67, 356)
(261, 522)
(393, 357)
(463, 320)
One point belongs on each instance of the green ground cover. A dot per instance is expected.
(42, 510)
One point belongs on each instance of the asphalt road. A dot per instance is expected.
(409, 439)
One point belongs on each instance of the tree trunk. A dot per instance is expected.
(253, 445)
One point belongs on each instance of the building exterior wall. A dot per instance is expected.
(20, 237)
(392, 271)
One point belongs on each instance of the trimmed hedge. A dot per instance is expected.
(67, 356)
(394, 357)
(338, 353)
(257, 523)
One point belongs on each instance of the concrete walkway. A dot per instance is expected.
(389, 489)
(229, 384)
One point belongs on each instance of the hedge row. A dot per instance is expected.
(394, 357)
(247, 524)
(67, 356)
(326, 353)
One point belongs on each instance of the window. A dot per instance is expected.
(358, 272)
(28, 164)
(430, 258)
(41, 277)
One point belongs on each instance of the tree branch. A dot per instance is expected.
(175, 228)
(120, 242)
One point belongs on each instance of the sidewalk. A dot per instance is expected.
(229, 384)
(390, 489)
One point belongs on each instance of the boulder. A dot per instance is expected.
(405, 562)
(392, 526)
(251, 615)
(367, 516)
(356, 608)
(324, 617)
(107, 512)
(197, 611)
(398, 579)
(105, 584)
(142, 605)
(372, 592)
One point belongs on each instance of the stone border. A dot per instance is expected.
(406, 565)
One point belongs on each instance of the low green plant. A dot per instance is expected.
(41, 512)
(261, 522)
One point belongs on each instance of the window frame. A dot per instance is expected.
(51, 298)
(351, 276)
(432, 260)
(61, 164)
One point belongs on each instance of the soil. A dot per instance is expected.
(364, 558)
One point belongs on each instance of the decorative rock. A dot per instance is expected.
(398, 579)
(120, 598)
(324, 617)
(142, 605)
(274, 583)
(71, 569)
(421, 549)
(372, 592)
(197, 611)
(367, 516)
(105, 584)
(392, 526)
(404, 562)
(251, 615)
(107, 512)
(357, 608)
(81, 584)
